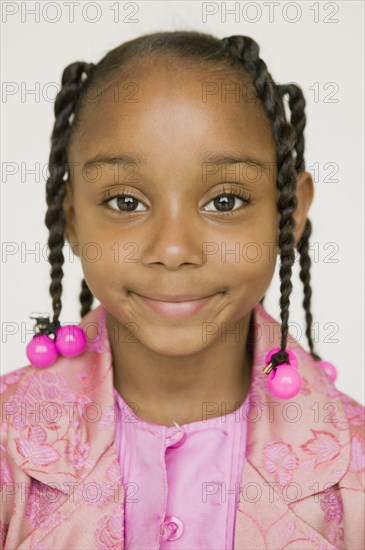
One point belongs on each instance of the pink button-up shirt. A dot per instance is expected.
(182, 483)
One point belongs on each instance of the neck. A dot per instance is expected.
(163, 389)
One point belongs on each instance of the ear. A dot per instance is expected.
(305, 193)
(69, 210)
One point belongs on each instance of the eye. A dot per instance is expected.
(126, 203)
(230, 199)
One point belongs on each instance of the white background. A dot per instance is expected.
(297, 44)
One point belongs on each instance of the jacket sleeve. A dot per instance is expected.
(9, 487)
(6, 472)
(352, 485)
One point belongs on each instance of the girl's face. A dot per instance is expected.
(171, 235)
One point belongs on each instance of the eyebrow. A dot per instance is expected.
(207, 157)
(125, 158)
(226, 158)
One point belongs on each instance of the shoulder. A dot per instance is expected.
(9, 381)
(355, 414)
(351, 486)
(8, 385)
(9, 473)
(9, 399)
(29, 387)
(341, 412)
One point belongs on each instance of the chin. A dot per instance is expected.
(171, 343)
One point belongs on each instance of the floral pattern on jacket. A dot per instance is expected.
(302, 483)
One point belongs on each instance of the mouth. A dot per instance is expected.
(177, 306)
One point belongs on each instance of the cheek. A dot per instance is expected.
(251, 268)
(254, 268)
(106, 257)
(106, 263)
(97, 239)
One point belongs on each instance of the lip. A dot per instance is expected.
(178, 306)
(175, 297)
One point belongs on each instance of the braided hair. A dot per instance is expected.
(55, 219)
(240, 53)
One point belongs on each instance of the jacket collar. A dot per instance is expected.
(62, 419)
(302, 443)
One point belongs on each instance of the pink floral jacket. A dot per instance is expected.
(303, 477)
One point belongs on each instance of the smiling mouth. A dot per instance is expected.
(177, 306)
(176, 298)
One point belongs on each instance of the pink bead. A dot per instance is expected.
(41, 351)
(70, 340)
(329, 369)
(285, 382)
(292, 357)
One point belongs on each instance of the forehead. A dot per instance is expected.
(168, 108)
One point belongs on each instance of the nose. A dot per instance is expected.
(174, 239)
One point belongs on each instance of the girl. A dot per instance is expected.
(179, 414)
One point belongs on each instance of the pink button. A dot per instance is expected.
(179, 439)
(176, 436)
(173, 527)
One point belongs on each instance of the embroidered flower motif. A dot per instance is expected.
(286, 529)
(42, 504)
(77, 451)
(357, 462)
(111, 488)
(113, 472)
(34, 449)
(11, 378)
(6, 472)
(109, 533)
(42, 393)
(324, 446)
(110, 417)
(43, 401)
(354, 414)
(280, 460)
(331, 504)
(355, 411)
(336, 416)
(335, 534)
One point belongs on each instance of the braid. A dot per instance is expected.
(298, 121)
(305, 263)
(86, 298)
(55, 221)
(247, 50)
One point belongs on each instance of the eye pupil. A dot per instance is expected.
(128, 205)
(228, 202)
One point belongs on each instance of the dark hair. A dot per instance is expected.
(239, 53)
